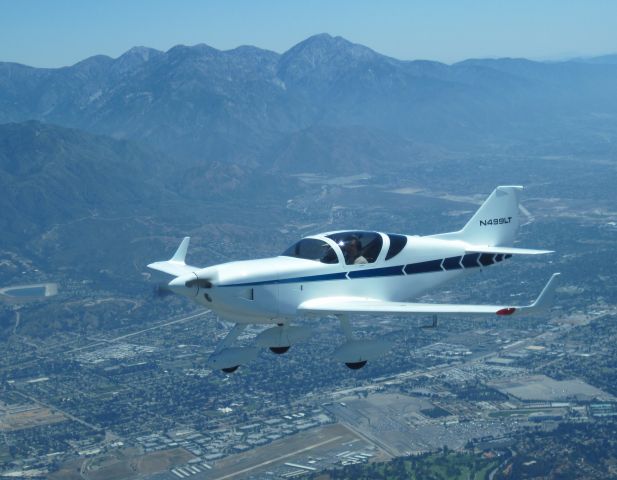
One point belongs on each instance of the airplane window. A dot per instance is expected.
(397, 243)
(312, 249)
(358, 247)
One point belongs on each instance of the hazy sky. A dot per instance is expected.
(54, 33)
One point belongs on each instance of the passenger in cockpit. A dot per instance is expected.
(351, 251)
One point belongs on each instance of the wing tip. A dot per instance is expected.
(506, 311)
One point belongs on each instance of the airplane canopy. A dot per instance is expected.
(354, 246)
(358, 246)
(312, 249)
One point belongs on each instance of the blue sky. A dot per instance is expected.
(61, 32)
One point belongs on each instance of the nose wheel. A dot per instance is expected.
(281, 337)
(227, 358)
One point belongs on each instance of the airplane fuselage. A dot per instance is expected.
(347, 273)
(269, 290)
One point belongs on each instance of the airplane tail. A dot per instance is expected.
(175, 265)
(495, 223)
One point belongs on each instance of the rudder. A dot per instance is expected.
(496, 222)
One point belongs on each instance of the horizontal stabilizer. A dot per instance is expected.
(505, 250)
(172, 268)
(341, 305)
(175, 265)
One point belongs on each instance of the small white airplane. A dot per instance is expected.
(343, 273)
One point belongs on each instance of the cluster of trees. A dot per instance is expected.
(442, 465)
(571, 452)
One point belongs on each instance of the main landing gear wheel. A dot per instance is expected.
(279, 350)
(355, 365)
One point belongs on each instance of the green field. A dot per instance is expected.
(437, 466)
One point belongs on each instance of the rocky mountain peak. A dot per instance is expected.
(322, 53)
(324, 47)
(141, 53)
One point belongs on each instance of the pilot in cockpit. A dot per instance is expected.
(352, 251)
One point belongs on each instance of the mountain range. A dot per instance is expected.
(246, 106)
(201, 123)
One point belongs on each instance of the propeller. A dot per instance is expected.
(199, 282)
(190, 284)
(161, 289)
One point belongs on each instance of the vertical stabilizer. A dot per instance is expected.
(180, 254)
(176, 265)
(495, 223)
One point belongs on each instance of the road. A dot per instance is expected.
(51, 407)
(105, 342)
(41, 352)
(139, 332)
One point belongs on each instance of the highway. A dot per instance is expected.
(139, 332)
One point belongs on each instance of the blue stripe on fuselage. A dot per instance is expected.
(409, 269)
(377, 272)
(313, 278)
(423, 267)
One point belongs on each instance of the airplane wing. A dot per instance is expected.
(175, 265)
(505, 250)
(340, 305)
